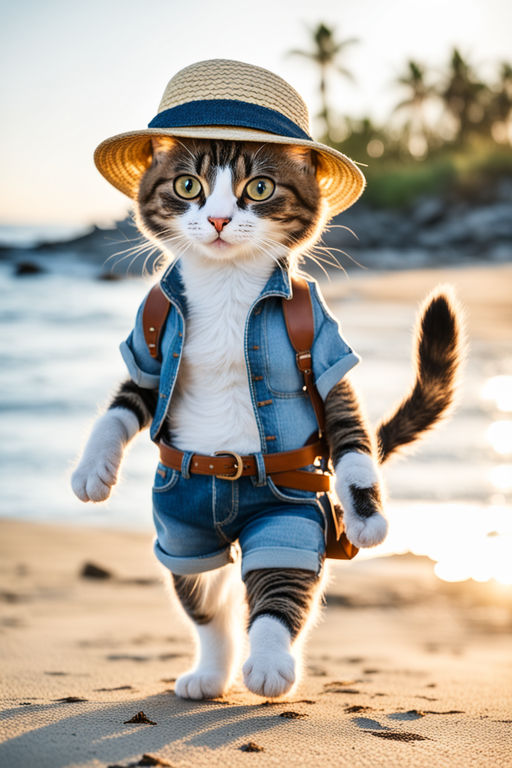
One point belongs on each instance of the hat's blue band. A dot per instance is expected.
(228, 112)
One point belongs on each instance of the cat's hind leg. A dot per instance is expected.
(281, 600)
(213, 601)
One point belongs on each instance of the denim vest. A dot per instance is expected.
(283, 411)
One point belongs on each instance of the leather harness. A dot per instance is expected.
(283, 467)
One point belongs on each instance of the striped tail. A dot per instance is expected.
(439, 347)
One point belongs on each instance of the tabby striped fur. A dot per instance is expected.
(142, 402)
(294, 208)
(279, 600)
(291, 591)
(284, 593)
(193, 595)
(345, 426)
(439, 340)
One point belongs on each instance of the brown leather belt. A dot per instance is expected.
(283, 467)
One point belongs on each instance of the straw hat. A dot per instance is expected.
(231, 100)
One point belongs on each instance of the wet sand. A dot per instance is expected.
(484, 291)
(402, 668)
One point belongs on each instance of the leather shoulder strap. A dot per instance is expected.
(154, 316)
(298, 315)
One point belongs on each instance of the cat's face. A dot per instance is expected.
(229, 200)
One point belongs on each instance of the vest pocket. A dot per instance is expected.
(281, 372)
(165, 478)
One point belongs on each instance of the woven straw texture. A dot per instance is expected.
(124, 158)
(224, 79)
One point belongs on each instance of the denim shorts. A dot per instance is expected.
(199, 518)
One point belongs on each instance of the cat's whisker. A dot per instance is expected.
(317, 261)
(328, 227)
(133, 260)
(327, 256)
(142, 243)
(127, 250)
(124, 240)
(266, 167)
(130, 251)
(183, 250)
(134, 252)
(184, 146)
(263, 247)
(145, 271)
(260, 148)
(274, 244)
(308, 253)
(302, 255)
(348, 255)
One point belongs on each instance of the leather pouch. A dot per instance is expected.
(338, 547)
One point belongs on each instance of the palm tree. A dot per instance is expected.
(501, 104)
(463, 95)
(325, 54)
(420, 93)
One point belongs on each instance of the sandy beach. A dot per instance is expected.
(402, 669)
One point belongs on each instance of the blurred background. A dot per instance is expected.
(421, 94)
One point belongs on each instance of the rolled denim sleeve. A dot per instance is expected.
(143, 369)
(332, 356)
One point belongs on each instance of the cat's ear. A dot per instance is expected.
(160, 146)
(305, 158)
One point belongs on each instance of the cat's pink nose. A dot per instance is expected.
(218, 223)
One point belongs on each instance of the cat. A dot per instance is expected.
(231, 215)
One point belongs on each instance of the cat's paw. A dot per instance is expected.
(359, 489)
(365, 532)
(97, 472)
(270, 669)
(93, 479)
(201, 684)
(269, 675)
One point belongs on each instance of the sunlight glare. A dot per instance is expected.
(499, 435)
(498, 391)
(466, 541)
(501, 477)
(453, 570)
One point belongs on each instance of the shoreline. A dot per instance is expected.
(377, 313)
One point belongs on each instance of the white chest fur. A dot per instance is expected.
(211, 408)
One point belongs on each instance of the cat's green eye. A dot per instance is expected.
(260, 189)
(187, 187)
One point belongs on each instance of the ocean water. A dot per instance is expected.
(451, 499)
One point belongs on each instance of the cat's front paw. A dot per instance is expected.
(93, 479)
(365, 532)
(97, 472)
(359, 490)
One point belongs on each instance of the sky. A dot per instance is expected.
(75, 73)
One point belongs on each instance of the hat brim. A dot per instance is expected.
(123, 159)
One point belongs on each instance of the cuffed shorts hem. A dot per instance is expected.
(188, 565)
(281, 557)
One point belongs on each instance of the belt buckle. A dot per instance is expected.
(239, 465)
